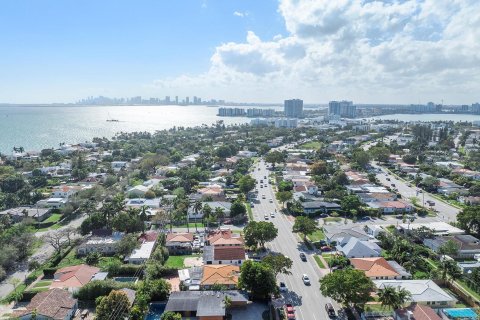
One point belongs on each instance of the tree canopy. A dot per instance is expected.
(257, 233)
(347, 286)
(257, 278)
(304, 225)
(469, 220)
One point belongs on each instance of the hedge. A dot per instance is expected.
(98, 288)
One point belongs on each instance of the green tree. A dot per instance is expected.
(246, 183)
(274, 157)
(347, 286)
(257, 233)
(305, 226)
(278, 263)
(93, 258)
(238, 210)
(450, 248)
(469, 220)
(170, 315)
(284, 196)
(361, 158)
(257, 278)
(393, 297)
(319, 168)
(126, 245)
(351, 202)
(114, 305)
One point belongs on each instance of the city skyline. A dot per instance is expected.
(402, 52)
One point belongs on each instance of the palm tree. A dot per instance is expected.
(207, 212)
(167, 203)
(219, 214)
(197, 206)
(393, 297)
(143, 216)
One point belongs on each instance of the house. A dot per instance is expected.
(119, 165)
(19, 213)
(73, 277)
(335, 233)
(214, 190)
(468, 246)
(142, 254)
(467, 173)
(377, 197)
(225, 206)
(179, 243)
(138, 191)
(104, 245)
(439, 228)
(53, 203)
(373, 230)
(356, 248)
(379, 268)
(397, 206)
(54, 304)
(224, 275)
(224, 237)
(447, 188)
(234, 255)
(65, 191)
(471, 200)
(424, 292)
(140, 202)
(320, 206)
(416, 312)
(204, 305)
(468, 266)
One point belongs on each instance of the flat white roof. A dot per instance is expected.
(143, 252)
(438, 227)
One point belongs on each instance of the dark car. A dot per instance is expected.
(326, 248)
(323, 215)
(303, 257)
(330, 310)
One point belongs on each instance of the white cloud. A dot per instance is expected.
(369, 51)
(240, 14)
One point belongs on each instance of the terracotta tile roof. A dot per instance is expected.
(74, 276)
(224, 237)
(420, 312)
(220, 274)
(180, 237)
(149, 236)
(229, 253)
(374, 267)
(54, 304)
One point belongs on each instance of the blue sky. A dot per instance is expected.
(375, 51)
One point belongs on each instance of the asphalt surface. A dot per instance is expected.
(307, 300)
(445, 212)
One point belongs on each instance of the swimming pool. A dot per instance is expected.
(461, 313)
(126, 279)
(155, 311)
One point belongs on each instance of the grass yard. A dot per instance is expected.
(319, 262)
(104, 261)
(43, 283)
(332, 219)
(70, 259)
(327, 257)
(55, 217)
(177, 261)
(311, 145)
(249, 211)
(317, 236)
(468, 289)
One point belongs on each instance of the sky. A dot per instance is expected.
(410, 51)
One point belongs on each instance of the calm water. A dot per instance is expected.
(35, 128)
(430, 117)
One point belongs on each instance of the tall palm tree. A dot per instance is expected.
(143, 216)
(207, 212)
(393, 297)
(197, 206)
(168, 204)
(219, 215)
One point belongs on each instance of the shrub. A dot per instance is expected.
(98, 288)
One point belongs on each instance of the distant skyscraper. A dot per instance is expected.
(342, 108)
(187, 100)
(167, 99)
(293, 108)
(476, 107)
(176, 99)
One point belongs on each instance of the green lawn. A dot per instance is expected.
(70, 259)
(43, 283)
(317, 236)
(327, 257)
(311, 145)
(468, 289)
(249, 211)
(177, 261)
(319, 262)
(332, 219)
(55, 217)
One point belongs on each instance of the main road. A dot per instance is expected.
(308, 301)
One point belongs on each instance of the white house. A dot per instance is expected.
(141, 254)
(119, 165)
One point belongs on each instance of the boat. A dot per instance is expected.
(112, 120)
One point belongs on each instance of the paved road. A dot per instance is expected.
(308, 301)
(445, 213)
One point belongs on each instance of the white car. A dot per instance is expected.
(272, 214)
(306, 279)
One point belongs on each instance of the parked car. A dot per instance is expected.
(303, 257)
(265, 216)
(283, 287)
(388, 179)
(290, 311)
(271, 200)
(306, 279)
(330, 310)
(272, 215)
(326, 248)
(323, 215)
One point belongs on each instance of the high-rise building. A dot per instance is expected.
(343, 108)
(167, 99)
(176, 99)
(293, 108)
(187, 100)
(476, 107)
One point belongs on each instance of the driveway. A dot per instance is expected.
(252, 312)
